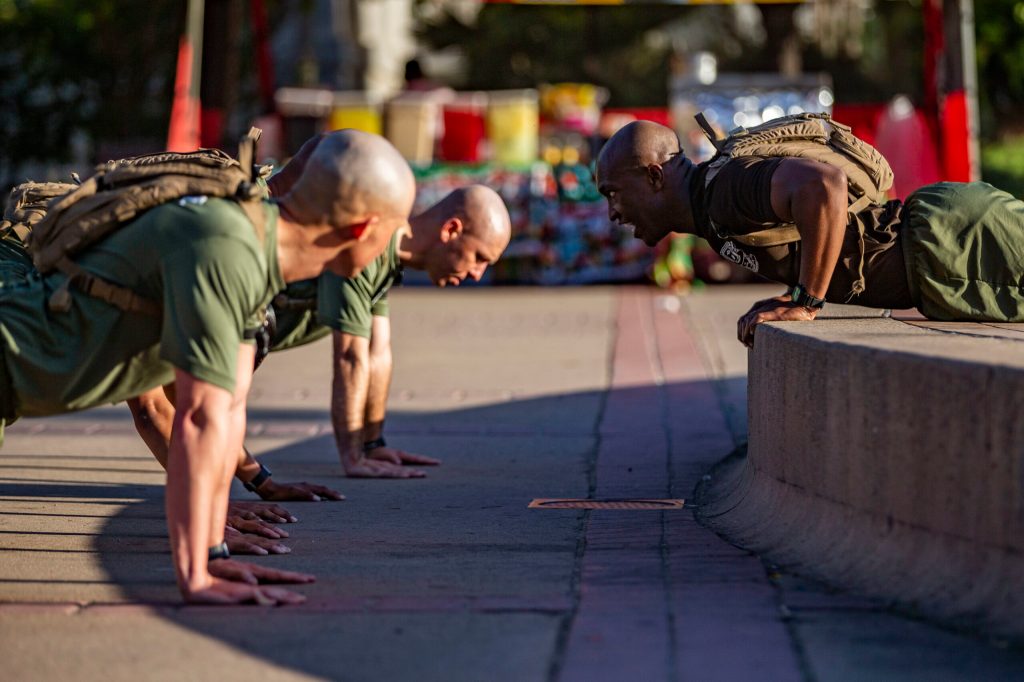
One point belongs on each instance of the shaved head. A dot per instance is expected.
(638, 144)
(643, 173)
(483, 212)
(357, 187)
(351, 175)
(460, 236)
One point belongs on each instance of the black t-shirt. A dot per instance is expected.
(738, 202)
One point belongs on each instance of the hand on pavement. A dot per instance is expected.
(256, 527)
(373, 468)
(228, 592)
(396, 456)
(296, 492)
(252, 574)
(241, 543)
(251, 511)
(770, 310)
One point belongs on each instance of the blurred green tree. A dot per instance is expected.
(1000, 39)
(101, 67)
(518, 46)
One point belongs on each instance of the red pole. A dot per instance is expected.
(183, 132)
(951, 85)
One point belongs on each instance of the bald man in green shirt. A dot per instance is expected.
(203, 262)
(456, 239)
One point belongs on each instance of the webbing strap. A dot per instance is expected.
(247, 152)
(22, 231)
(118, 296)
(257, 216)
(773, 236)
(285, 302)
(709, 131)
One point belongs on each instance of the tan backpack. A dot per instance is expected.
(116, 194)
(810, 136)
(26, 206)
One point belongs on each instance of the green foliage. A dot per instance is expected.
(514, 46)
(1002, 164)
(102, 67)
(999, 28)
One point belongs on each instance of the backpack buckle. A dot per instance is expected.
(60, 300)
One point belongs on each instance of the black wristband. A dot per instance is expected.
(220, 551)
(374, 444)
(258, 480)
(800, 296)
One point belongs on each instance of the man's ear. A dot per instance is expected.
(362, 229)
(656, 175)
(451, 229)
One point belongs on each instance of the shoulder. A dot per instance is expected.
(745, 170)
(204, 216)
(206, 226)
(797, 172)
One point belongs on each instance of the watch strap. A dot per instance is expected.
(220, 551)
(374, 444)
(799, 296)
(258, 480)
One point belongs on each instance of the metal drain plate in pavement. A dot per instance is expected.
(569, 503)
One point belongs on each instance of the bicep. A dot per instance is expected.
(801, 186)
(208, 300)
(343, 304)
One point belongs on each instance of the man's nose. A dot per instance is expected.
(477, 272)
(613, 214)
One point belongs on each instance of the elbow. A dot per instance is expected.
(148, 410)
(353, 358)
(380, 357)
(828, 189)
(351, 353)
(350, 365)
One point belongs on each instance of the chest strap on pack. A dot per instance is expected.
(118, 296)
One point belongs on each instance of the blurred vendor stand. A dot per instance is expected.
(531, 146)
(536, 149)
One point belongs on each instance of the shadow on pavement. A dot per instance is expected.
(437, 578)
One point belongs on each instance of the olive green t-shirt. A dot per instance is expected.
(199, 258)
(313, 307)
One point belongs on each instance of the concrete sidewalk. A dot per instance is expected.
(524, 393)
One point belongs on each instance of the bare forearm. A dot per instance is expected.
(198, 452)
(348, 396)
(377, 395)
(822, 224)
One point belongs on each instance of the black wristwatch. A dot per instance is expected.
(258, 480)
(374, 444)
(800, 296)
(220, 551)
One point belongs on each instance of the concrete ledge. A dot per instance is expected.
(887, 457)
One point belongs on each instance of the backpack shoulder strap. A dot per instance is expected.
(709, 132)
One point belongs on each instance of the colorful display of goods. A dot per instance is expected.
(560, 228)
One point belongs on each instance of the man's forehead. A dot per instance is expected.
(491, 245)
